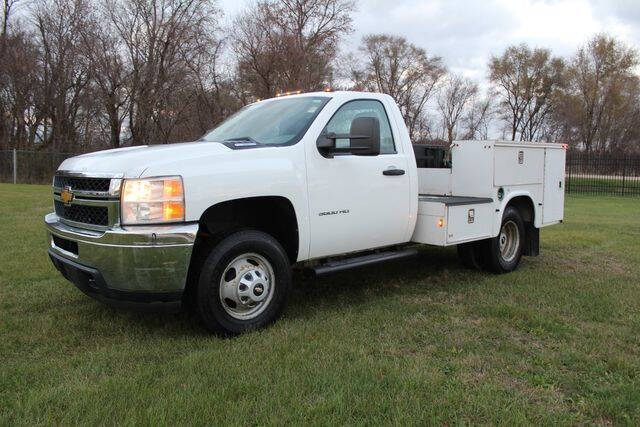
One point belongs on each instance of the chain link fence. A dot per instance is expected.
(30, 167)
(585, 174)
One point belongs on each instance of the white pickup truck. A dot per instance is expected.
(322, 181)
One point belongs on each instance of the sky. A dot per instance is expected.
(465, 33)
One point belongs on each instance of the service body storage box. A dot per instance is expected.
(537, 168)
(449, 220)
(466, 202)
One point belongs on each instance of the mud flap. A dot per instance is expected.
(532, 243)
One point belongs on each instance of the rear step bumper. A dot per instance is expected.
(360, 261)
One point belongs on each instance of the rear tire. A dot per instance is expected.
(505, 250)
(244, 283)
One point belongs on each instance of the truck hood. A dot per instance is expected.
(131, 162)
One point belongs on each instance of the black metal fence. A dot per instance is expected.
(603, 175)
(585, 174)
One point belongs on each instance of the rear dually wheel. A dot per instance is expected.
(505, 250)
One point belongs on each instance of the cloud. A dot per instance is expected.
(465, 33)
(439, 27)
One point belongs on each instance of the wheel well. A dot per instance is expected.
(525, 207)
(273, 215)
(524, 204)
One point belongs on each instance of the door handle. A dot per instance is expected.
(393, 172)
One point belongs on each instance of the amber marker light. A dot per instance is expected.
(173, 211)
(173, 188)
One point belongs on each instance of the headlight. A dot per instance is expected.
(152, 200)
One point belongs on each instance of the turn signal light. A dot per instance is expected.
(173, 211)
(172, 188)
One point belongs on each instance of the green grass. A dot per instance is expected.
(415, 342)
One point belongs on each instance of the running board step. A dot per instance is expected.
(360, 261)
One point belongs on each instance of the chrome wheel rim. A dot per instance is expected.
(247, 286)
(509, 240)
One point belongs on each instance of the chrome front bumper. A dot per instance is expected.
(135, 263)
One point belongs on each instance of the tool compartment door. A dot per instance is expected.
(553, 196)
(515, 165)
(469, 222)
(449, 220)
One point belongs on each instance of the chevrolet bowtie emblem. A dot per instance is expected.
(66, 196)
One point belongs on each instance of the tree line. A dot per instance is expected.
(81, 75)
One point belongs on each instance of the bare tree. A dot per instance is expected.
(7, 7)
(215, 91)
(81, 75)
(602, 81)
(402, 70)
(104, 51)
(65, 73)
(453, 100)
(161, 38)
(289, 44)
(619, 131)
(478, 117)
(19, 81)
(525, 79)
(4, 125)
(131, 71)
(257, 52)
(20, 91)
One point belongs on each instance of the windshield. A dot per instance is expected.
(274, 122)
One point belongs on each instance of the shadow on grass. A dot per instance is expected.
(433, 269)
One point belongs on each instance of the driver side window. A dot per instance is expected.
(340, 123)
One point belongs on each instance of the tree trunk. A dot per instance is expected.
(115, 126)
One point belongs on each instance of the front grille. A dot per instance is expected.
(82, 183)
(96, 215)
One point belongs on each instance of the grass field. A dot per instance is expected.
(415, 342)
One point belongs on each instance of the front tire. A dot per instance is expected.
(244, 283)
(505, 250)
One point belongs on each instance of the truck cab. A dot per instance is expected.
(323, 181)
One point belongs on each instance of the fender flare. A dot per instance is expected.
(537, 209)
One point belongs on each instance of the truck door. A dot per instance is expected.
(355, 203)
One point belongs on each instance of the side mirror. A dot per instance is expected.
(364, 139)
(365, 136)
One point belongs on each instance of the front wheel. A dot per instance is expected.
(243, 283)
(505, 250)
